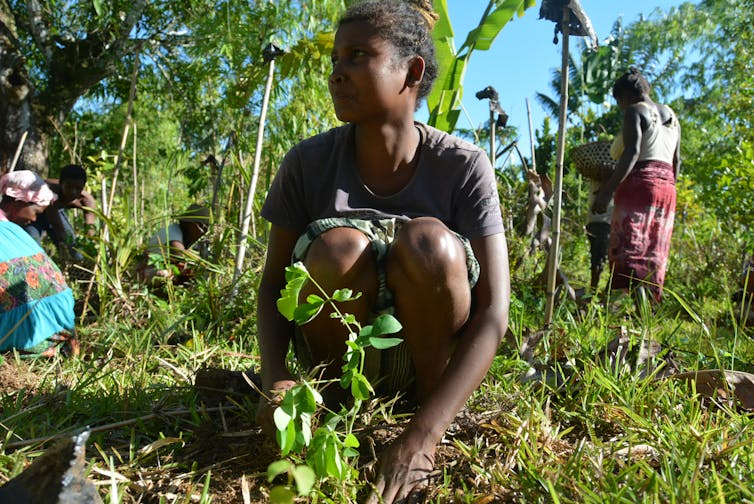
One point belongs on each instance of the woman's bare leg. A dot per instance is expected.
(339, 258)
(427, 273)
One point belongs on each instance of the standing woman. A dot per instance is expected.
(648, 154)
(36, 305)
(403, 213)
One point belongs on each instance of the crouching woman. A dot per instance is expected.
(36, 305)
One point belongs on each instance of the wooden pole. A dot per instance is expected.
(18, 151)
(135, 183)
(254, 177)
(531, 138)
(124, 138)
(492, 136)
(552, 261)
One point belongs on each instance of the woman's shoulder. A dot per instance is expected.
(445, 143)
(316, 151)
(655, 112)
(324, 141)
(667, 114)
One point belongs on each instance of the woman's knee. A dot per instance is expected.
(338, 258)
(425, 246)
(339, 251)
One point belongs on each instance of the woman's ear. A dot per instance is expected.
(415, 71)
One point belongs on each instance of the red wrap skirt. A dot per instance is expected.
(641, 226)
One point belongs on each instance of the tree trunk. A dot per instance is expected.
(16, 111)
(72, 66)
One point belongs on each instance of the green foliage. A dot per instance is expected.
(445, 98)
(604, 435)
(293, 418)
(200, 78)
(333, 445)
(301, 475)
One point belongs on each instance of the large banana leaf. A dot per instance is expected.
(445, 99)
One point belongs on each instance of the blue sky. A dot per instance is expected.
(521, 60)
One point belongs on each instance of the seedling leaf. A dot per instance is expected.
(383, 343)
(360, 387)
(282, 495)
(305, 312)
(351, 441)
(305, 479)
(277, 468)
(385, 324)
(343, 295)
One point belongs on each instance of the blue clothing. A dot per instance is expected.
(35, 301)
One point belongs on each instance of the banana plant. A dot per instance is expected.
(444, 101)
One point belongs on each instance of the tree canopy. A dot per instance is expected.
(198, 62)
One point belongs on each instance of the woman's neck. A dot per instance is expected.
(386, 147)
(387, 156)
(644, 99)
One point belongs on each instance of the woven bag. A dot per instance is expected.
(593, 160)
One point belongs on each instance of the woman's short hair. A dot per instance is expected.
(407, 25)
(631, 83)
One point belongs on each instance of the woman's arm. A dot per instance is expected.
(88, 201)
(406, 464)
(632, 135)
(274, 332)
(677, 155)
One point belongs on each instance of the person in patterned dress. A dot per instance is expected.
(36, 304)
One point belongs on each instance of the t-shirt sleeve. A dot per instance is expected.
(160, 242)
(478, 207)
(285, 202)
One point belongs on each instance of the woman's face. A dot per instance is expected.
(367, 82)
(23, 213)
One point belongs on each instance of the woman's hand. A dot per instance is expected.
(404, 470)
(268, 404)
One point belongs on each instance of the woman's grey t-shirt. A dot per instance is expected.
(453, 182)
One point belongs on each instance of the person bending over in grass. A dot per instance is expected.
(401, 212)
(36, 305)
(171, 250)
(54, 222)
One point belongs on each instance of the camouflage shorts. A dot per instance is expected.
(381, 234)
(391, 369)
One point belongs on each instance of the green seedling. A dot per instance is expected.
(333, 445)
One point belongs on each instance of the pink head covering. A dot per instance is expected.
(26, 185)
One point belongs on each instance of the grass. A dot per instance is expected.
(599, 434)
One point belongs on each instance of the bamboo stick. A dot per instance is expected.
(124, 138)
(18, 151)
(254, 177)
(531, 138)
(552, 260)
(135, 183)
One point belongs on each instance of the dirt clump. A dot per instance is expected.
(15, 376)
